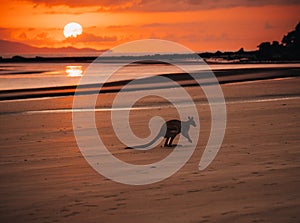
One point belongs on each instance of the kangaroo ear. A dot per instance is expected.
(192, 118)
(189, 117)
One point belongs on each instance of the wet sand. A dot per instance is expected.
(254, 178)
(225, 76)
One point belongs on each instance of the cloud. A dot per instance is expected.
(5, 33)
(90, 38)
(22, 36)
(195, 5)
(269, 26)
(37, 39)
(119, 26)
(156, 25)
(102, 4)
(29, 36)
(161, 5)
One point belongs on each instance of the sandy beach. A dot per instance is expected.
(254, 178)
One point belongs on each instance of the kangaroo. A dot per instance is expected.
(170, 130)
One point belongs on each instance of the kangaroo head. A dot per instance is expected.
(191, 121)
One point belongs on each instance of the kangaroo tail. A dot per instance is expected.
(147, 144)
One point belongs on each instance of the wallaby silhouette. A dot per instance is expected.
(169, 131)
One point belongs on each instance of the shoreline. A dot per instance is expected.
(225, 76)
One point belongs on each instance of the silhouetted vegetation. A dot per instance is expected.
(287, 50)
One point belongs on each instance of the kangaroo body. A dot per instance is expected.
(170, 130)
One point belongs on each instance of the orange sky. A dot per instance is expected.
(200, 25)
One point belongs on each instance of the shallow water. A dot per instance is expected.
(37, 75)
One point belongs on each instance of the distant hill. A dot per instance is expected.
(9, 48)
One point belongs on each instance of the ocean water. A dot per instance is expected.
(39, 75)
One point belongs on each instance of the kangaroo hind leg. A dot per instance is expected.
(167, 142)
(171, 141)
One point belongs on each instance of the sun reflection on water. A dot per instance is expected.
(74, 71)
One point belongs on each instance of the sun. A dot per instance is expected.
(72, 29)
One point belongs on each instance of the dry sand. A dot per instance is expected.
(254, 178)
